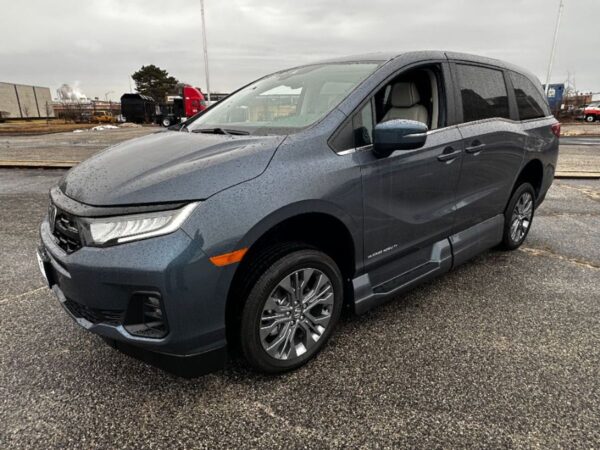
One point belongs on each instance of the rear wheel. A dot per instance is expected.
(166, 122)
(518, 216)
(291, 310)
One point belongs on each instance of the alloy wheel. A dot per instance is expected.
(296, 314)
(521, 217)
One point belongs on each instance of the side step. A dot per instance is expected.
(445, 255)
(367, 296)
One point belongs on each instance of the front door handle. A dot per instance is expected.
(475, 147)
(448, 155)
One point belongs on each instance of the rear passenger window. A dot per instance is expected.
(483, 93)
(530, 102)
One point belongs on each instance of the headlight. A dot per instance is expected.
(118, 230)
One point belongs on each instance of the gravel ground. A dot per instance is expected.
(502, 352)
(580, 129)
(79, 146)
(579, 155)
(65, 146)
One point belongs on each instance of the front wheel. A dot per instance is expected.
(291, 310)
(590, 118)
(166, 122)
(518, 216)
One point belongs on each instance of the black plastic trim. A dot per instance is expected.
(186, 366)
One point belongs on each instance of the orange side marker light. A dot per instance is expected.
(228, 258)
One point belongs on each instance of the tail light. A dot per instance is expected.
(556, 129)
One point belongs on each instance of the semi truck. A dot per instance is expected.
(181, 107)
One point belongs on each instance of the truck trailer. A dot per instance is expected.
(138, 108)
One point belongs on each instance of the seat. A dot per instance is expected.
(405, 99)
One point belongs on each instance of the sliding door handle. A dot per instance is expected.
(449, 154)
(475, 147)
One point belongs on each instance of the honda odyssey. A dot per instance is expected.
(343, 183)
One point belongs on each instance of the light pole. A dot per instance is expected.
(551, 62)
(106, 95)
(205, 50)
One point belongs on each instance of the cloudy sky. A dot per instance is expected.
(97, 44)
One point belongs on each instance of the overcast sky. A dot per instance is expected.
(97, 44)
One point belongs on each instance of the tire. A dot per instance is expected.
(291, 334)
(166, 122)
(590, 118)
(518, 217)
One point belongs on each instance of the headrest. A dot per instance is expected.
(404, 95)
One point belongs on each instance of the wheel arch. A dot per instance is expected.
(316, 224)
(533, 173)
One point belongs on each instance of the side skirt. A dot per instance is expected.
(445, 255)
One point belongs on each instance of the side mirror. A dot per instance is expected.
(398, 134)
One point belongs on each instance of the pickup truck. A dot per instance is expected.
(591, 112)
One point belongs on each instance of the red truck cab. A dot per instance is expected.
(193, 101)
(188, 103)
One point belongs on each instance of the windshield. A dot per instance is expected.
(285, 101)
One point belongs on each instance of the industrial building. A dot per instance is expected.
(20, 101)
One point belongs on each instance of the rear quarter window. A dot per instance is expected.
(483, 92)
(530, 101)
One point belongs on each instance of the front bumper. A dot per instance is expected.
(96, 286)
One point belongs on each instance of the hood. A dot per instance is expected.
(168, 167)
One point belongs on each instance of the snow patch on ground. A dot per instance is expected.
(105, 127)
(98, 128)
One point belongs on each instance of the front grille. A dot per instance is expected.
(93, 315)
(66, 232)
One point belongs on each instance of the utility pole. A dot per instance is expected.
(205, 50)
(551, 62)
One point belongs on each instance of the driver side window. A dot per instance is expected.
(416, 94)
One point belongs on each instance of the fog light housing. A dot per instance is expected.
(145, 316)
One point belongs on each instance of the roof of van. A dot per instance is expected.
(431, 54)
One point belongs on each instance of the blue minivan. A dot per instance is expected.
(247, 229)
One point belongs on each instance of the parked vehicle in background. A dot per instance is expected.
(138, 108)
(340, 183)
(181, 107)
(591, 112)
(102, 117)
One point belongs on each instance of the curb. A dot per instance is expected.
(38, 164)
(580, 175)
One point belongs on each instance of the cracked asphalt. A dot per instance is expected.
(502, 352)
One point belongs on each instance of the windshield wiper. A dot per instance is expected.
(218, 130)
